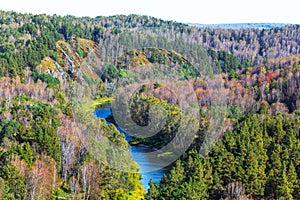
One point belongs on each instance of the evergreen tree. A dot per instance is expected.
(14, 181)
(284, 189)
(275, 172)
(293, 181)
(153, 192)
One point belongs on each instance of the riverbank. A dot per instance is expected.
(94, 104)
(138, 151)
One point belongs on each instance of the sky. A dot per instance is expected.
(187, 11)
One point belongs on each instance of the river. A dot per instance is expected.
(138, 152)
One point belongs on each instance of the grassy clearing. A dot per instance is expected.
(93, 104)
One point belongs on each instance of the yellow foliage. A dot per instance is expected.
(140, 58)
(86, 45)
(291, 59)
(46, 63)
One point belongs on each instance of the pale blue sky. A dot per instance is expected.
(207, 11)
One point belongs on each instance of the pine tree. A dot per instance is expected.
(275, 172)
(153, 191)
(260, 153)
(284, 189)
(293, 180)
(252, 181)
(14, 181)
(177, 174)
(172, 182)
(198, 183)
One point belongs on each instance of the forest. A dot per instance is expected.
(55, 71)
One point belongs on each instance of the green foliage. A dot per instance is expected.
(15, 56)
(14, 180)
(47, 78)
(233, 75)
(109, 72)
(140, 114)
(41, 133)
(81, 53)
(26, 153)
(7, 47)
(4, 190)
(157, 85)
(157, 56)
(88, 79)
(127, 75)
(297, 112)
(227, 62)
(112, 158)
(40, 137)
(187, 180)
(45, 129)
(10, 129)
(153, 193)
(261, 153)
(58, 193)
(187, 71)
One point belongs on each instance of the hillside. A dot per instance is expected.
(148, 56)
(23, 32)
(54, 70)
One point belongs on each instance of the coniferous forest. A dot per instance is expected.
(56, 71)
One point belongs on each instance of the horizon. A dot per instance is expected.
(216, 12)
(189, 23)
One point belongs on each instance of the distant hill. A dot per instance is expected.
(150, 56)
(242, 25)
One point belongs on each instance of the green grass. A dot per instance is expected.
(93, 104)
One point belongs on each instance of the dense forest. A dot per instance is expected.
(53, 69)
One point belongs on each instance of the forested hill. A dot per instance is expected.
(26, 39)
(54, 70)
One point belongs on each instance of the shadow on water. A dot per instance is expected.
(145, 163)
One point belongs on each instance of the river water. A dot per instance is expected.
(138, 154)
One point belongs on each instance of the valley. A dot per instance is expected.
(213, 111)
